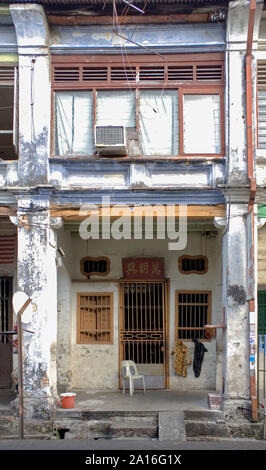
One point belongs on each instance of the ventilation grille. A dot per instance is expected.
(209, 72)
(7, 74)
(66, 74)
(123, 73)
(261, 74)
(193, 264)
(180, 72)
(142, 73)
(109, 135)
(95, 73)
(90, 266)
(151, 73)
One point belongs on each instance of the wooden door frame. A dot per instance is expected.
(166, 296)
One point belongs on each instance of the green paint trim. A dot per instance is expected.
(8, 59)
(262, 210)
(4, 10)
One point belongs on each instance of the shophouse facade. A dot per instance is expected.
(128, 186)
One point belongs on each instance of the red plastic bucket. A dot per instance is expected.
(67, 400)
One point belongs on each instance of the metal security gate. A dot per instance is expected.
(261, 355)
(261, 369)
(6, 350)
(143, 328)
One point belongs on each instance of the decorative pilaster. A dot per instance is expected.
(37, 277)
(34, 93)
(236, 334)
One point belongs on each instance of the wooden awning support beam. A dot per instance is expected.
(6, 211)
(193, 212)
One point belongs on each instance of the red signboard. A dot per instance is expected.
(143, 268)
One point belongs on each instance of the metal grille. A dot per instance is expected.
(95, 73)
(5, 296)
(123, 73)
(261, 367)
(261, 73)
(142, 335)
(110, 135)
(7, 248)
(91, 266)
(151, 73)
(7, 74)
(262, 118)
(192, 313)
(209, 72)
(95, 316)
(179, 72)
(66, 74)
(262, 312)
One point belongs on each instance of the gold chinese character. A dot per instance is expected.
(131, 268)
(144, 268)
(156, 269)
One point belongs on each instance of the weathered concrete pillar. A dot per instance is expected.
(34, 93)
(37, 277)
(236, 334)
(235, 90)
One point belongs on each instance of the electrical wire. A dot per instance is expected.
(118, 31)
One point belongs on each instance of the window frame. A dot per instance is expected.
(192, 271)
(9, 79)
(95, 259)
(209, 314)
(194, 86)
(111, 306)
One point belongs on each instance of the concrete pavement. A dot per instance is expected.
(141, 444)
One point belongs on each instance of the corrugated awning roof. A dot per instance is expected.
(102, 2)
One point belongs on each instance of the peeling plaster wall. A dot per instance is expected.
(37, 277)
(236, 358)
(64, 372)
(96, 366)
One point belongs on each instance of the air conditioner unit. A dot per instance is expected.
(110, 140)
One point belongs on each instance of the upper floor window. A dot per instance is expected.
(261, 85)
(8, 112)
(170, 110)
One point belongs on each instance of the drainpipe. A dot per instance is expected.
(252, 182)
(252, 11)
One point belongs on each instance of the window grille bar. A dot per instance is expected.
(192, 313)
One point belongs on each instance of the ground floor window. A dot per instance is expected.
(95, 318)
(193, 311)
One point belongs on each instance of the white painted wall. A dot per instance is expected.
(96, 366)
